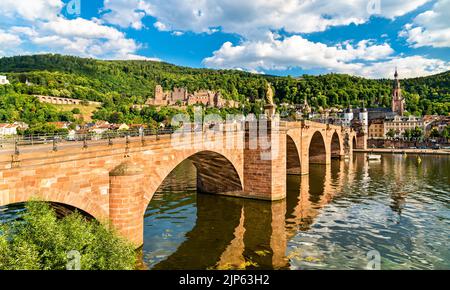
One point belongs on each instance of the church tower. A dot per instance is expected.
(398, 102)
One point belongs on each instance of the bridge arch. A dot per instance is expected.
(317, 149)
(82, 204)
(336, 147)
(61, 209)
(293, 163)
(216, 173)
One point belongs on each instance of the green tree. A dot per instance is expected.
(45, 129)
(41, 241)
(417, 133)
(435, 133)
(407, 134)
(446, 133)
(390, 134)
(76, 111)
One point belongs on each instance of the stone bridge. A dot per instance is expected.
(64, 101)
(116, 181)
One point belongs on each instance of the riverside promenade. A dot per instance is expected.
(407, 151)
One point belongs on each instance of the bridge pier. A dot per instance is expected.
(126, 194)
(265, 165)
(361, 141)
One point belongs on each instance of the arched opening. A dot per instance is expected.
(292, 157)
(177, 212)
(335, 147)
(293, 178)
(317, 151)
(354, 142)
(215, 173)
(15, 211)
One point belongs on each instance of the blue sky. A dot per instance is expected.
(283, 37)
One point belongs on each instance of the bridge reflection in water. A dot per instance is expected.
(185, 230)
(330, 219)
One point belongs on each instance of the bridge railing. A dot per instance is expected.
(19, 143)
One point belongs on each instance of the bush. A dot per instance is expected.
(45, 128)
(41, 241)
(76, 111)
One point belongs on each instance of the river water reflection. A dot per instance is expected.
(330, 219)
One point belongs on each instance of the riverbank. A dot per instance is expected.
(402, 151)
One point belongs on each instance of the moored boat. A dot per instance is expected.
(373, 157)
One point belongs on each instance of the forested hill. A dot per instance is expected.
(134, 82)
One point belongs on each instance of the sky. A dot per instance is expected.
(367, 38)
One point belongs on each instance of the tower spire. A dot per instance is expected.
(398, 102)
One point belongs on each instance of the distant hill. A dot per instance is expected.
(134, 82)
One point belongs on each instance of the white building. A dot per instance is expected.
(3, 80)
(8, 129)
(347, 117)
(399, 124)
(364, 118)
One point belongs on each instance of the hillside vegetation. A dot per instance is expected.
(119, 84)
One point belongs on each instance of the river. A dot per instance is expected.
(339, 216)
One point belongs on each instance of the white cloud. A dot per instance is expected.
(160, 26)
(87, 38)
(365, 58)
(8, 43)
(80, 27)
(43, 29)
(408, 67)
(31, 9)
(294, 51)
(8, 39)
(431, 28)
(251, 18)
(125, 13)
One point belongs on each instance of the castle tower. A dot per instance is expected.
(398, 102)
(159, 93)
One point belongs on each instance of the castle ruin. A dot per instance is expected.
(181, 97)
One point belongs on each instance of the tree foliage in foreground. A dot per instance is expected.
(42, 241)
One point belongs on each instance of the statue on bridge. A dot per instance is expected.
(269, 94)
(269, 106)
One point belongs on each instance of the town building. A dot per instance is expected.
(60, 125)
(440, 123)
(364, 118)
(181, 97)
(399, 124)
(380, 113)
(8, 129)
(304, 110)
(4, 80)
(376, 129)
(347, 117)
(100, 127)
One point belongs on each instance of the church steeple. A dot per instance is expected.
(398, 102)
